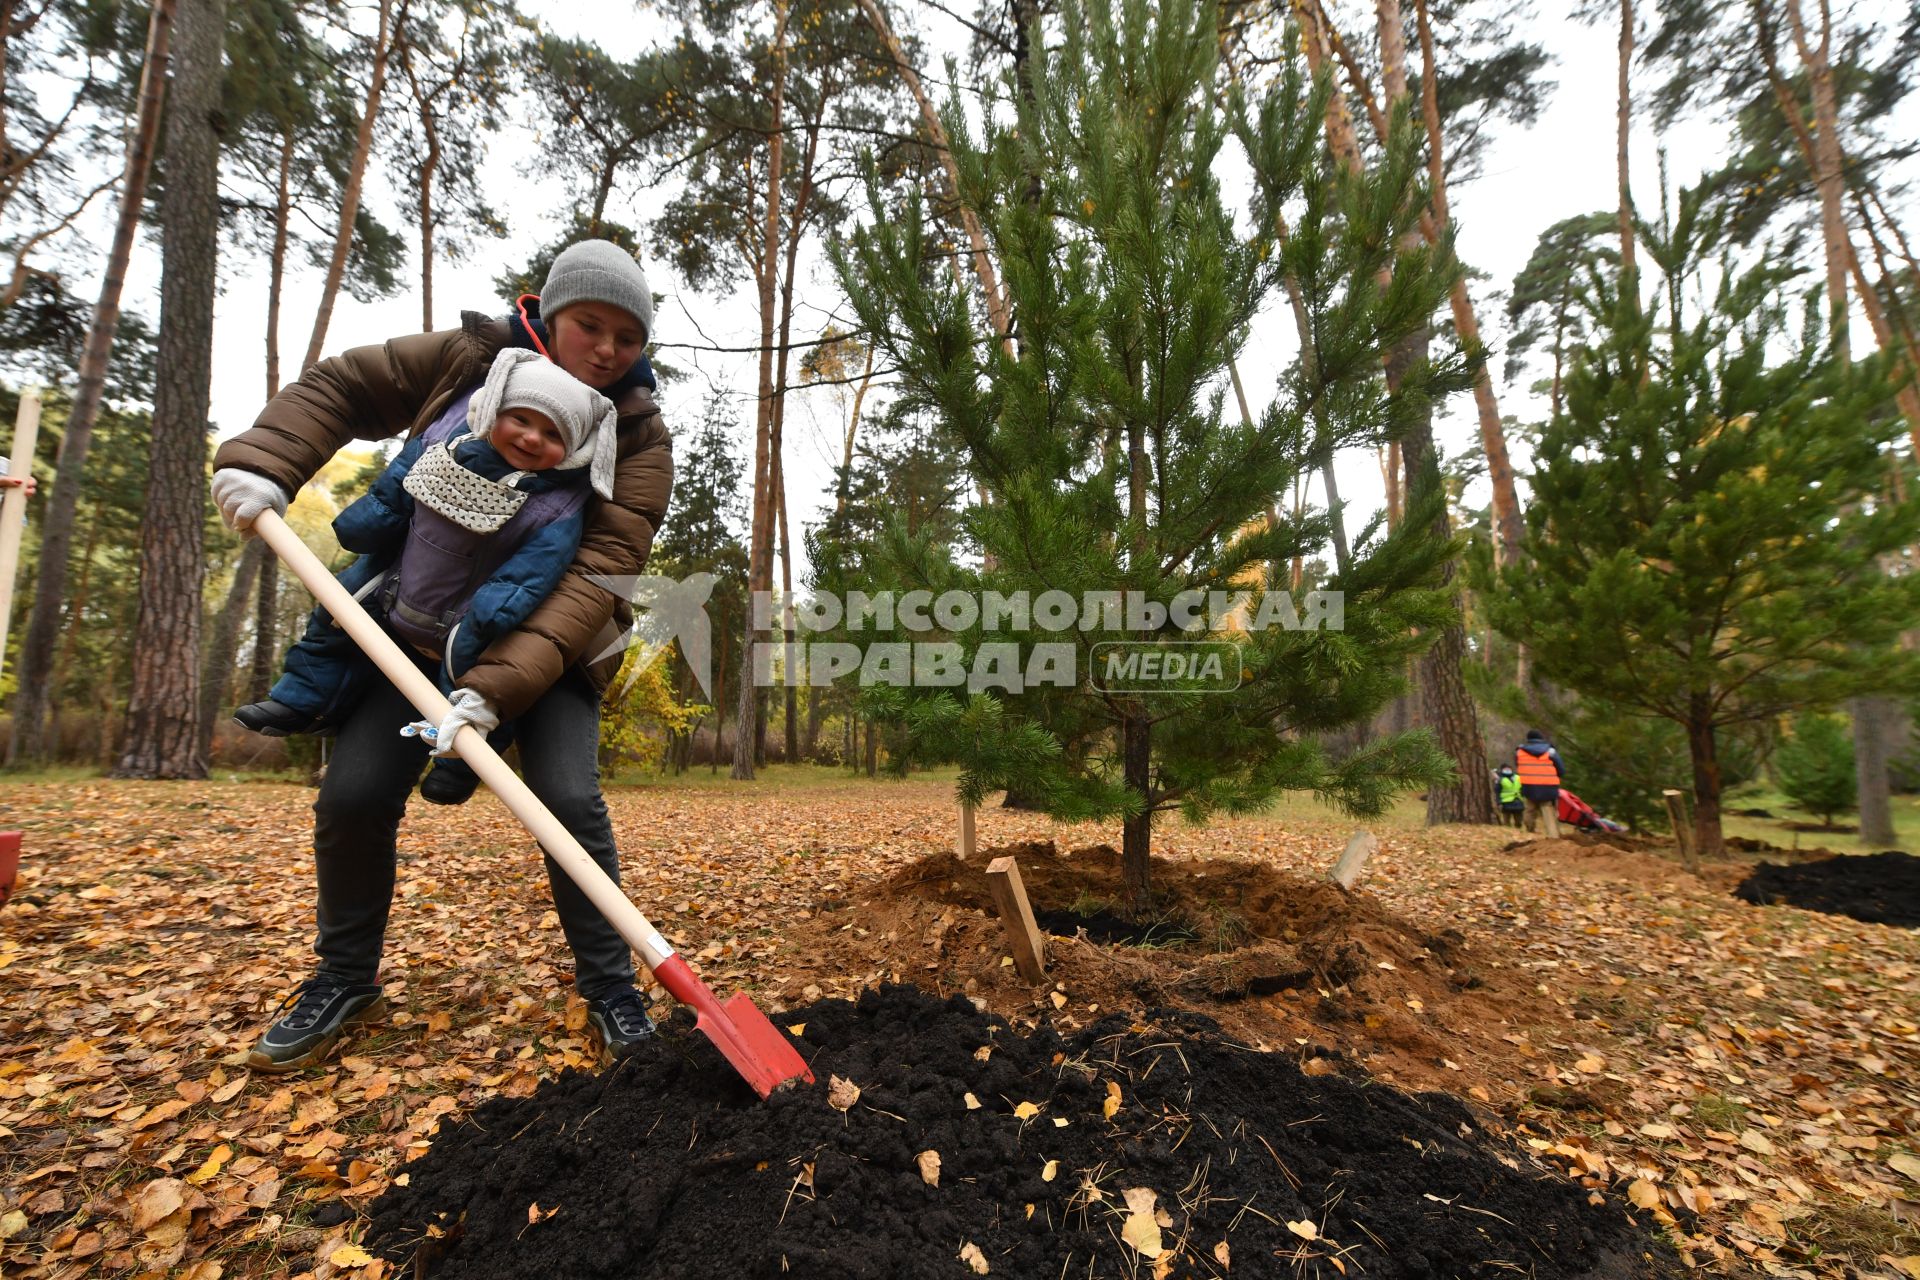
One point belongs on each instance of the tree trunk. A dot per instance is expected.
(760, 551)
(1871, 722)
(816, 705)
(216, 675)
(1707, 839)
(792, 740)
(56, 532)
(719, 703)
(1445, 705)
(162, 739)
(853, 427)
(429, 166)
(937, 134)
(873, 749)
(277, 263)
(356, 175)
(1623, 124)
(1507, 527)
(1136, 832)
(266, 630)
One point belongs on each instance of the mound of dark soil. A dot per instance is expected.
(665, 1166)
(1880, 888)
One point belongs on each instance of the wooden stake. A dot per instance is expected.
(1682, 820)
(967, 845)
(13, 503)
(1010, 900)
(1353, 859)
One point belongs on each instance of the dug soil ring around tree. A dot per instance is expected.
(940, 1142)
(1880, 888)
(1276, 957)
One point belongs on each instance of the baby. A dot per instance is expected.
(460, 538)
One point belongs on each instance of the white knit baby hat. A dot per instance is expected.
(587, 420)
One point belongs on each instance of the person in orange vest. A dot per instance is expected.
(1538, 765)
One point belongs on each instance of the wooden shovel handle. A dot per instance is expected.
(470, 744)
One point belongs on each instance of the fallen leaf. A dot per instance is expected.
(1112, 1104)
(1304, 1229)
(929, 1165)
(1059, 1001)
(349, 1255)
(156, 1201)
(842, 1093)
(1049, 1171)
(1643, 1194)
(984, 1052)
(1139, 1199)
(1143, 1233)
(1316, 1067)
(1756, 1142)
(1907, 1266)
(971, 1255)
(215, 1162)
(797, 1028)
(1026, 1111)
(1591, 1064)
(1222, 1254)
(12, 1223)
(536, 1214)
(973, 1103)
(1909, 1165)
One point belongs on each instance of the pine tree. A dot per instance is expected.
(1706, 520)
(1101, 432)
(1815, 767)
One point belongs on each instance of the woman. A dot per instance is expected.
(593, 317)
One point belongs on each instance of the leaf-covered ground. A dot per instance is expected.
(1747, 1075)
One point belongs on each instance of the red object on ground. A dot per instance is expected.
(9, 863)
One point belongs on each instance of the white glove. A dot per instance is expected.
(243, 495)
(464, 707)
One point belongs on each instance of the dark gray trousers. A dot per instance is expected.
(369, 779)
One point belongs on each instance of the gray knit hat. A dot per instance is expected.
(587, 420)
(597, 271)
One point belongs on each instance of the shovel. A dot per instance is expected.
(739, 1030)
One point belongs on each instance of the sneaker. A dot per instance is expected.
(449, 785)
(620, 1020)
(310, 1019)
(275, 719)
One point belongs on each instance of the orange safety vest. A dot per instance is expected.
(1535, 771)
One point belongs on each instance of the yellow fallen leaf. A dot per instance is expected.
(1643, 1194)
(971, 1255)
(1590, 1064)
(1304, 1229)
(1756, 1142)
(1909, 1165)
(349, 1255)
(842, 1093)
(1907, 1266)
(1026, 1111)
(1658, 1130)
(215, 1162)
(1061, 1122)
(984, 1052)
(1050, 1171)
(1316, 1067)
(929, 1165)
(797, 1028)
(1059, 1001)
(13, 1222)
(973, 1103)
(1112, 1104)
(1143, 1233)
(1223, 1255)
(1140, 1199)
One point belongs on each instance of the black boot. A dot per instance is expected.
(449, 782)
(275, 719)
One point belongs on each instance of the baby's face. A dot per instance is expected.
(528, 439)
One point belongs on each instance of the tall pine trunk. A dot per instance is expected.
(429, 166)
(1623, 124)
(760, 551)
(56, 532)
(1445, 705)
(162, 739)
(216, 675)
(356, 176)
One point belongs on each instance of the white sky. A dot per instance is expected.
(1562, 165)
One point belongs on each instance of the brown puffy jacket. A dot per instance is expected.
(374, 392)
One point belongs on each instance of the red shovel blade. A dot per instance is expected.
(764, 1058)
(9, 863)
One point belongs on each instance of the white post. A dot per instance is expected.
(13, 503)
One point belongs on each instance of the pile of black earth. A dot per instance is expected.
(1880, 888)
(1124, 1151)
